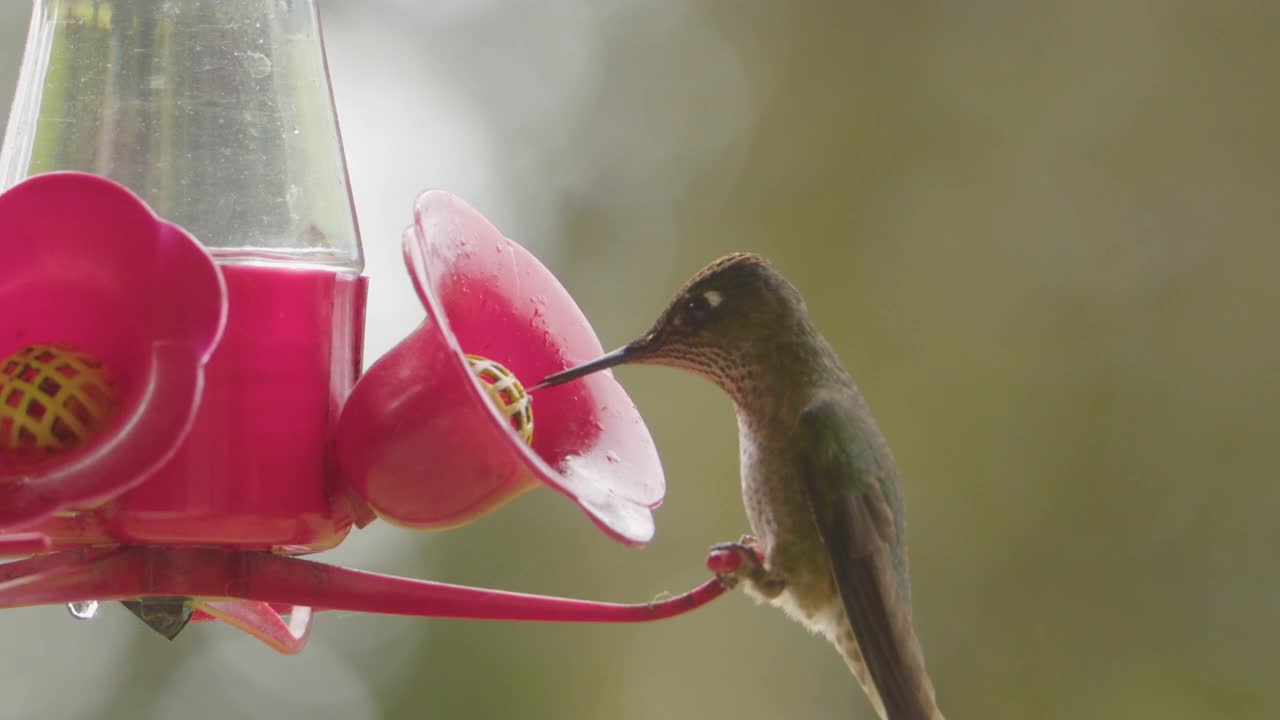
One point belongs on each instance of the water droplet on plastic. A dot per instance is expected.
(83, 609)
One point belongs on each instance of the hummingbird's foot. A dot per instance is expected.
(733, 562)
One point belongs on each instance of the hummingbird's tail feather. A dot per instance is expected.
(847, 644)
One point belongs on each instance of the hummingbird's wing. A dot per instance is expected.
(851, 482)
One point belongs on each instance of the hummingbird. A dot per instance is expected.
(819, 484)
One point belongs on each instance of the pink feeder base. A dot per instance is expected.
(256, 471)
(249, 589)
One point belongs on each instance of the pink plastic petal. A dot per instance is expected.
(260, 620)
(88, 265)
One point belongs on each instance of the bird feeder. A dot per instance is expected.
(182, 411)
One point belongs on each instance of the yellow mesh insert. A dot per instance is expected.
(52, 399)
(507, 394)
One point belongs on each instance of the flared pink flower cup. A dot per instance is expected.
(420, 439)
(88, 267)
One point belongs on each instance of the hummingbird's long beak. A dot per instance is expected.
(623, 354)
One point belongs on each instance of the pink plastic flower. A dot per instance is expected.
(86, 265)
(419, 438)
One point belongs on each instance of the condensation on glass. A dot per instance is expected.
(218, 113)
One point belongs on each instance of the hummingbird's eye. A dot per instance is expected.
(698, 308)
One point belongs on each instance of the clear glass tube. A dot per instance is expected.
(218, 113)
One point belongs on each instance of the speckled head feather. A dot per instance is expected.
(727, 318)
(723, 320)
(719, 264)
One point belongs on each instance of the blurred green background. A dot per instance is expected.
(1041, 238)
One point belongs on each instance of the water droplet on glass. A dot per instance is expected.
(258, 65)
(83, 609)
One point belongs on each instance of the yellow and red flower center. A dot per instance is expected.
(507, 394)
(52, 398)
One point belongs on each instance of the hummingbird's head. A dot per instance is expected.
(725, 322)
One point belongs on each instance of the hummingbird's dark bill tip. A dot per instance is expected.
(608, 360)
